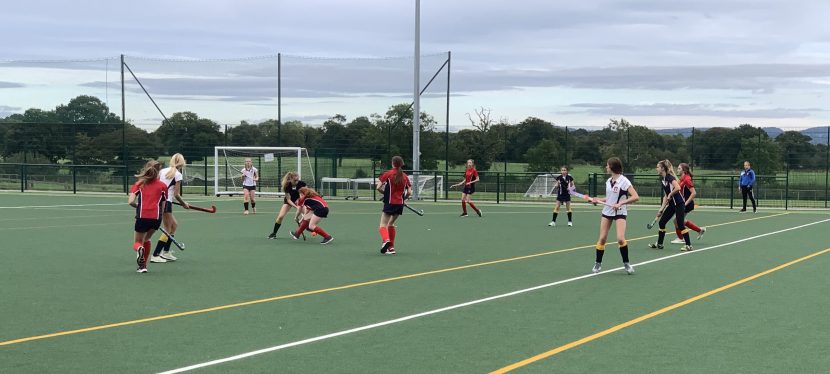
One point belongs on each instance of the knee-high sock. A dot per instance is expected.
(679, 233)
(276, 227)
(136, 246)
(392, 232)
(169, 243)
(600, 251)
(464, 206)
(319, 230)
(624, 252)
(303, 226)
(692, 226)
(161, 244)
(473, 206)
(253, 204)
(570, 216)
(555, 214)
(384, 233)
(147, 245)
(686, 237)
(661, 236)
(246, 205)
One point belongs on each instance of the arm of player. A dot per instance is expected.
(131, 200)
(675, 189)
(632, 198)
(475, 180)
(692, 195)
(177, 193)
(256, 176)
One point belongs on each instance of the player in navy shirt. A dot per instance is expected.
(674, 206)
(565, 183)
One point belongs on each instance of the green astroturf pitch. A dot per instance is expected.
(463, 295)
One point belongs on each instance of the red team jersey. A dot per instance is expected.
(394, 191)
(150, 198)
(686, 186)
(314, 202)
(469, 175)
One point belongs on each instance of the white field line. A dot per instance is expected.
(462, 305)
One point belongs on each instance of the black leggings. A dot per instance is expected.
(746, 191)
(672, 212)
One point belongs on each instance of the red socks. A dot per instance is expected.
(303, 226)
(692, 226)
(384, 234)
(464, 206)
(136, 246)
(679, 233)
(392, 232)
(474, 207)
(319, 230)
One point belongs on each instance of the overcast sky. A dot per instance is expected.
(658, 63)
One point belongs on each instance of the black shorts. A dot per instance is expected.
(563, 198)
(614, 218)
(690, 207)
(168, 207)
(146, 224)
(393, 209)
(321, 212)
(249, 188)
(469, 190)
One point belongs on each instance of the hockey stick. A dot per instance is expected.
(419, 212)
(172, 239)
(212, 208)
(654, 221)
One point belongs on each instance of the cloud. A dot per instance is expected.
(6, 111)
(687, 110)
(10, 85)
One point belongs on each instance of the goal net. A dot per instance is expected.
(271, 164)
(428, 185)
(544, 185)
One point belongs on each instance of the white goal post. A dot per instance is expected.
(271, 162)
(544, 185)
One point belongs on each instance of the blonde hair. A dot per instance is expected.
(287, 177)
(149, 173)
(176, 162)
(667, 167)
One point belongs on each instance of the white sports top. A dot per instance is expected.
(614, 192)
(249, 176)
(170, 183)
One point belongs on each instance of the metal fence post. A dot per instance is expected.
(787, 188)
(74, 179)
(205, 154)
(22, 177)
(435, 186)
(498, 188)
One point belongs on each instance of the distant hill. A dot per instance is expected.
(818, 134)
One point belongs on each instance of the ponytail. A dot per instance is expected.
(397, 163)
(176, 162)
(149, 173)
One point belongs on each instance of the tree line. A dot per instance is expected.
(85, 131)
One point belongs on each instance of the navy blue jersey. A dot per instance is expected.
(677, 199)
(564, 184)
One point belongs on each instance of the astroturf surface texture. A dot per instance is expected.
(69, 266)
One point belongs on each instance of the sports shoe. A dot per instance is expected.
(272, 235)
(742, 211)
(552, 224)
(139, 257)
(168, 256)
(294, 235)
(686, 248)
(463, 215)
(391, 251)
(655, 246)
(157, 259)
(327, 240)
(385, 246)
(253, 210)
(141, 270)
(700, 234)
(245, 212)
(597, 267)
(570, 224)
(480, 213)
(678, 241)
(628, 268)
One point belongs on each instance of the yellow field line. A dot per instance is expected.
(655, 313)
(325, 290)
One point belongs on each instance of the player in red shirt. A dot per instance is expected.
(315, 210)
(687, 188)
(395, 186)
(469, 182)
(148, 195)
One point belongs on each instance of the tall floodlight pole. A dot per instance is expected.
(416, 110)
